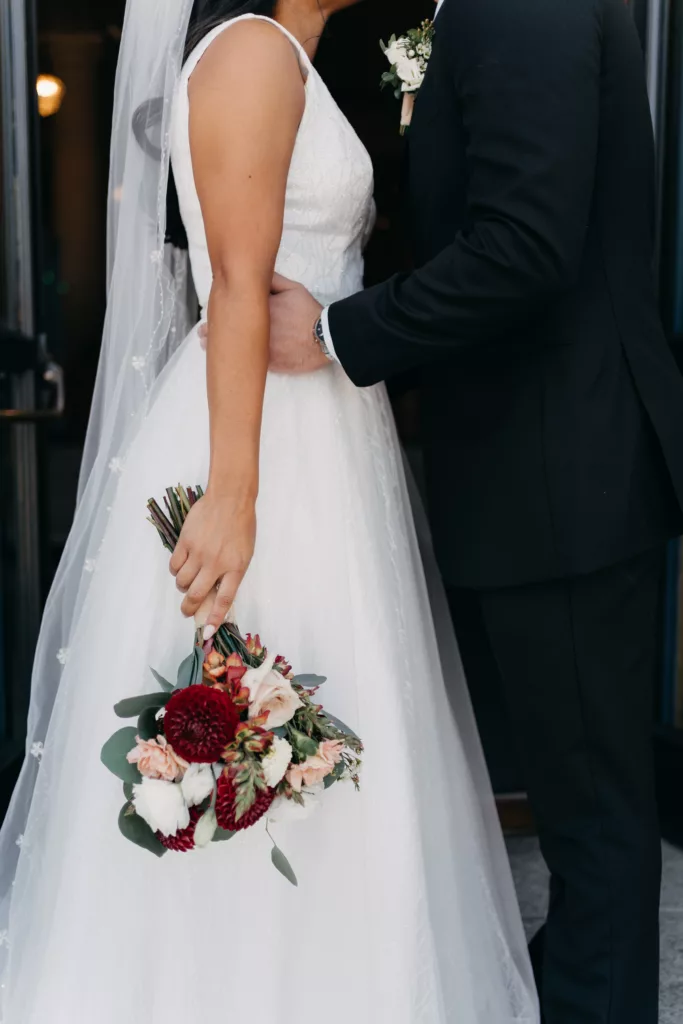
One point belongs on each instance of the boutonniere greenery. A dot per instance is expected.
(409, 56)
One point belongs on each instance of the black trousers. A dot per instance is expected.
(578, 660)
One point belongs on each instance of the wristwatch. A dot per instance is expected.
(319, 338)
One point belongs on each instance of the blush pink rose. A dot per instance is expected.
(271, 693)
(316, 767)
(331, 752)
(157, 759)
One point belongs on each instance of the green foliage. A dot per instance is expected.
(190, 671)
(303, 746)
(114, 752)
(282, 864)
(163, 683)
(346, 733)
(148, 725)
(309, 681)
(138, 831)
(336, 775)
(221, 835)
(248, 779)
(131, 707)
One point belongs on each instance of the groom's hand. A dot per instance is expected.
(293, 315)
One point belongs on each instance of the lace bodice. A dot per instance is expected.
(328, 207)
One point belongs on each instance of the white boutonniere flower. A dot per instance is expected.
(409, 56)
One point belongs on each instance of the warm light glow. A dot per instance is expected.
(50, 91)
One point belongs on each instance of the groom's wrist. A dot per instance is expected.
(323, 337)
(319, 337)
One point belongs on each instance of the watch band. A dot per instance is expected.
(319, 338)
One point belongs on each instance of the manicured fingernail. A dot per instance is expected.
(209, 632)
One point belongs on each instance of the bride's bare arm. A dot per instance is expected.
(246, 102)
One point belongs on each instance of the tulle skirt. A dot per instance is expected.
(405, 909)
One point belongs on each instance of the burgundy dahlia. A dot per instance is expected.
(183, 840)
(225, 806)
(200, 722)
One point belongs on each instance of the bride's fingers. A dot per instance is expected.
(198, 592)
(187, 575)
(224, 598)
(179, 557)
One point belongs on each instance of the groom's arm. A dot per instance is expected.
(527, 78)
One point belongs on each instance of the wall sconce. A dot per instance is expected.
(51, 92)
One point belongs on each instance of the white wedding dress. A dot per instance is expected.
(405, 911)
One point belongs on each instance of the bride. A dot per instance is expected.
(405, 910)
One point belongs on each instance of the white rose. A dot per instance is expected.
(197, 783)
(396, 51)
(276, 762)
(270, 692)
(283, 810)
(162, 805)
(411, 74)
(205, 829)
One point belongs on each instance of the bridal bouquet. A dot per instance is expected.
(409, 56)
(236, 740)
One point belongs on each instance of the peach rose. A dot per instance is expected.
(157, 759)
(270, 692)
(331, 752)
(316, 767)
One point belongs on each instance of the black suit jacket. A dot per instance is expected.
(553, 406)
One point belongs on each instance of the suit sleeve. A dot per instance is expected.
(527, 79)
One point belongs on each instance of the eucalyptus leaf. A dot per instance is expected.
(190, 671)
(338, 724)
(335, 775)
(198, 657)
(303, 744)
(222, 835)
(163, 683)
(128, 791)
(309, 681)
(131, 707)
(114, 752)
(280, 731)
(282, 864)
(136, 830)
(185, 672)
(148, 725)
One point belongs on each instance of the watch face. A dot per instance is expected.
(319, 334)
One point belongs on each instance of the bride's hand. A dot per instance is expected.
(215, 546)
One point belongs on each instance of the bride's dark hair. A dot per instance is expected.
(208, 14)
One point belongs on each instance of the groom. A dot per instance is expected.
(554, 435)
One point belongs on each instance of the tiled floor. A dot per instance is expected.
(532, 887)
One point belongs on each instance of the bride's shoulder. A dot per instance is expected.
(245, 50)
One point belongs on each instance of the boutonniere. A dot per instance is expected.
(409, 56)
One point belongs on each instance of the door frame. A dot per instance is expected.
(18, 128)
